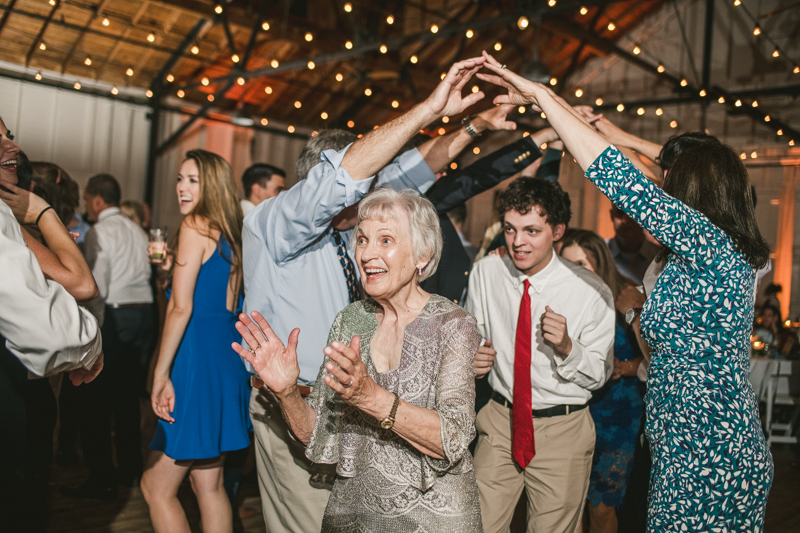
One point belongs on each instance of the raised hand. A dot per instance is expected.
(274, 362)
(348, 376)
(163, 399)
(554, 331)
(446, 99)
(495, 118)
(521, 91)
(25, 205)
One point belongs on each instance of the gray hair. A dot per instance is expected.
(426, 233)
(311, 155)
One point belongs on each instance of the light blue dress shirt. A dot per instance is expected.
(292, 274)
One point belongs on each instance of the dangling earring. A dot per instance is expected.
(419, 269)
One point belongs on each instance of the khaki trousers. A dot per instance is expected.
(294, 491)
(556, 480)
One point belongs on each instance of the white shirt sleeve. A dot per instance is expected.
(100, 265)
(43, 325)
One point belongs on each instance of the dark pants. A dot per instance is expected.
(128, 333)
(27, 420)
(633, 513)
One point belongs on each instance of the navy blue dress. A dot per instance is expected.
(212, 394)
(617, 413)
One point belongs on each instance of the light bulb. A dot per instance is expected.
(434, 28)
(469, 34)
(413, 59)
(579, 92)
(673, 124)
(348, 7)
(611, 26)
(498, 46)
(114, 91)
(290, 129)
(339, 76)
(584, 11)
(218, 9)
(395, 104)
(151, 38)
(129, 72)
(659, 112)
(87, 61)
(348, 45)
(265, 26)
(523, 22)
(268, 89)
(311, 65)
(240, 81)
(264, 121)
(383, 49)
(181, 94)
(77, 85)
(106, 22)
(298, 104)
(205, 81)
(620, 107)
(195, 49)
(599, 101)
(235, 58)
(637, 50)
(390, 20)
(368, 91)
(309, 37)
(324, 115)
(640, 111)
(274, 63)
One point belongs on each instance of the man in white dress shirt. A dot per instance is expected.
(261, 182)
(116, 250)
(551, 324)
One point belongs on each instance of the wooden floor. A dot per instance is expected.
(129, 512)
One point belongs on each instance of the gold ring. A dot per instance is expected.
(348, 385)
(251, 352)
(504, 67)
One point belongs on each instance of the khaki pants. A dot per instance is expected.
(556, 480)
(294, 491)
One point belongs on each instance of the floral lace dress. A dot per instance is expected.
(383, 483)
(712, 469)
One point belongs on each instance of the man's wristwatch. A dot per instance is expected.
(467, 123)
(631, 315)
(388, 422)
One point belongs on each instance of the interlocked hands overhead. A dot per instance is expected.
(446, 99)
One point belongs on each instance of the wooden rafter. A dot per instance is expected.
(39, 35)
(97, 13)
(4, 17)
(121, 41)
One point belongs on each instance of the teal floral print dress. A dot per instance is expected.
(712, 469)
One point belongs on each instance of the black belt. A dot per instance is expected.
(124, 306)
(557, 410)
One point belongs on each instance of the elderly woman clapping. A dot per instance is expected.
(393, 405)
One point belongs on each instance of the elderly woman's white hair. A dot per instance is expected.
(426, 233)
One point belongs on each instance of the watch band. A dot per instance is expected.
(631, 314)
(467, 122)
(388, 422)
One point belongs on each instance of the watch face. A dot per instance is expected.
(387, 424)
(630, 315)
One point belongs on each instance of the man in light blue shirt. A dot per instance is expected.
(295, 277)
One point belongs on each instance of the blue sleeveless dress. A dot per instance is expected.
(212, 394)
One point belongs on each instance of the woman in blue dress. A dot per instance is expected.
(203, 402)
(617, 407)
(712, 469)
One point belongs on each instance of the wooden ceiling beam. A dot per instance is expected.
(39, 35)
(4, 17)
(97, 13)
(122, 40)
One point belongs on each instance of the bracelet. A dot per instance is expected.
(467, 122)
(42, 213)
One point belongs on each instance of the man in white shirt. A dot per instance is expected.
(261, 182)
(551, 324)
(116, 250)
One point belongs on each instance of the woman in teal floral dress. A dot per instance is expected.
(712, 469)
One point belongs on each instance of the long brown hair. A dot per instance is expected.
(52, 183)
(219, 206)
(597, 250)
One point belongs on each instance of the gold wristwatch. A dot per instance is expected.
(388, 422)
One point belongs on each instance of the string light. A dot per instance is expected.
(469, 34)
(779, 132)
(661, 68)
(218, 9)
(791, 143)
(149, 93)
(240, 81)
(640, 111)
(453, 165)
(498, 46)
(659, 112)
(77, 86)
(551, 3)
(620, 107)
(210, 97)
(324, 115)
(543, 146)
(129, 72)
(205, 81)
(796, 69)
(114, 90)
(170, 78)
(235, 58)
(309, 37)
(274, 63)
(476, 150)
(521, 109)
(268, 89)
(553, 81)
(42, 46)
(757, 30)
(413, 59)
(673, 124)
(637, 50)
(151, 38)
(265, 27)
(350, 123)
(395, 104)
(445, 119)
(38, 76)
(584, 10)
(526, 134)
(755, 103)
(766, 118)
(441, 131)
(264, 121)
(348, 45)
(738, 103)
(181, 94)
(298, 104)
(544, 117)
(87, 61)
(776, 53)
(390, 20)
(611, 26)
(106, 22)
(703, 92)
(195, 49)
(475, 88)
(743, 156)
(348, 7)
(684, 83)
(737, 3)
(753, 155)
(443, 75)
(339, 76)
(52, 2)
(311, 65)
(434, 28)
(579, 92)
(523, 22)
(721, 100)
(368, 91)
(383, 49)
(598, 102)
(290, 129)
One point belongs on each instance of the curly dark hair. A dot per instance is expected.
(525, 193)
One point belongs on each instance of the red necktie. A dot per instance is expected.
(523, 446)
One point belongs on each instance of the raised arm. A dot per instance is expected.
(193, 243)
(43, 325)
(621, 138)
(61, 259)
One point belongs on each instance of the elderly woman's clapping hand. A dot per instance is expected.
(274, 362)
(348, 376)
